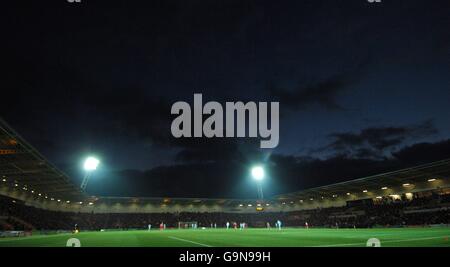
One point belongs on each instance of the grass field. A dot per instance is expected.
(289, 237)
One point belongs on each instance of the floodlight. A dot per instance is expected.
(91, 164)
(258, 173)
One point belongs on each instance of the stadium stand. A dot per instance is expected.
(424, 211)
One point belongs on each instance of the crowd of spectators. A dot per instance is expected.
(15, 215)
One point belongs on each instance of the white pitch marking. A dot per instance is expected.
(185, 240)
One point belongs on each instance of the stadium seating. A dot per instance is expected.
(435, 209)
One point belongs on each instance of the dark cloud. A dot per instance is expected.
(183, 180)
(373, 142)
(416, 153)
(286, 173)
(207, 150)
(301, 173)
(323, 93)
(133, 114)
(296, 173)
(101, 108)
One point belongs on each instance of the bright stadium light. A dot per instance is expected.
(90, 165)
(258, 175)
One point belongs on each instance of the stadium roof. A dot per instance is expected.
(397, 181)
(21, 165)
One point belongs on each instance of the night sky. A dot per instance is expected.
(363, 88)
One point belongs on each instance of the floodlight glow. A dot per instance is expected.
(258, 173)
(91, 164)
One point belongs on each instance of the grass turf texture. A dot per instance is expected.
(288, 237)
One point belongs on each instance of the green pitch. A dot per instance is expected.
(289, 237)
